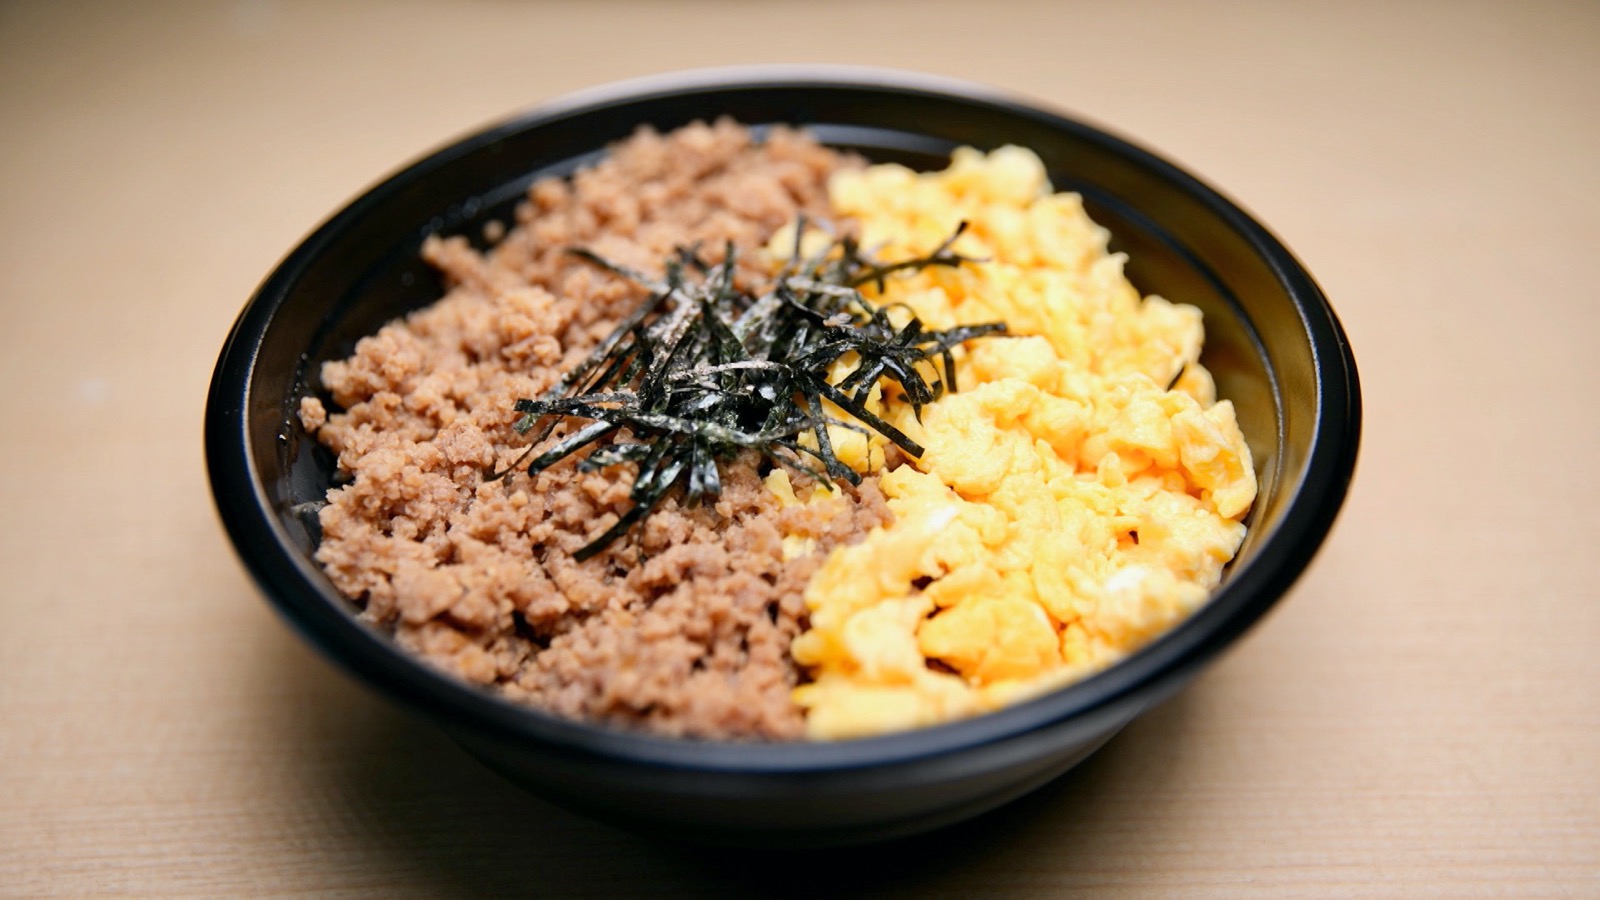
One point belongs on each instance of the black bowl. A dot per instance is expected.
(1273, 344)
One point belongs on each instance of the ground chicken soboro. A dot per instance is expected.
(682, 628)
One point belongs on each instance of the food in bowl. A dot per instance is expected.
(1077, 491)
(1273, 344)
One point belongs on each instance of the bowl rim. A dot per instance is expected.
(290, 580)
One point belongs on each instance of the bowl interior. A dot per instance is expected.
(1268, 334)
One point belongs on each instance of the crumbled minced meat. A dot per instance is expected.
(682, 627)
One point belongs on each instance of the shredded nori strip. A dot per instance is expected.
(702, 370)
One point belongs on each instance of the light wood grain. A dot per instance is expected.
(1421, 717)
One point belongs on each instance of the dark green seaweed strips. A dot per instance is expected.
(701, 371)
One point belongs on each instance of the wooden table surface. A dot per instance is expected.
(1420, 717)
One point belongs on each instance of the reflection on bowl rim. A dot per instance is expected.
(1244, 596)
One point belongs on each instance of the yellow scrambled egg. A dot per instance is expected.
(1068, 508)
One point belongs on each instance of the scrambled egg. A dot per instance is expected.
(1069, 507)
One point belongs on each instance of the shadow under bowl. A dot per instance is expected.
(1272, 342)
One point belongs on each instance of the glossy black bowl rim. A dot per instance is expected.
(293, 585)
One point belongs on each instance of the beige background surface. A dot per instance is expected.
(1422, 717)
